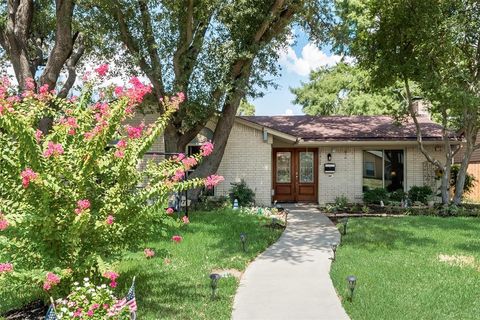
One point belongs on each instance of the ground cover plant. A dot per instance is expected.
(70, 200)
(410, 268)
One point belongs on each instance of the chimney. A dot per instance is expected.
(421, 107)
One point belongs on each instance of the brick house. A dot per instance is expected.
(316, 159)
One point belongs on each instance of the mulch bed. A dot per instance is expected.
(33, 311)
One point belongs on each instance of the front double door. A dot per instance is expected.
(295, 175)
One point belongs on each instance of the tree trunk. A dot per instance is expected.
(462, 172)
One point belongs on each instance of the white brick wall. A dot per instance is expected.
(347, 180)
(247, 157)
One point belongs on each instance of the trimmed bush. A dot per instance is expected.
(241, 192)
(420, 194)
(374, 196)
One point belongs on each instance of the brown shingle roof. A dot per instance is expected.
(356, 128)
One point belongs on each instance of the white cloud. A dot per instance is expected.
(289, 112)
(311, 58)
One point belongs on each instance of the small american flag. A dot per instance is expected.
(129, 301)
(51, 313)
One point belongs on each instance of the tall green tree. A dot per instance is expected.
(215, 51)
(246, 109)
(432, 42)
(345, 89)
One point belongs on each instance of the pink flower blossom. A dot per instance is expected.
(189, 163)
(38, 135)
(118, 91)
(110, 219)
(138, 91)
(113, 284)
(169, 210)
(119, 154)
(206, 149)
(186, 220)
(53, 149)
(82, 205)
(122, 144)
(95, 306)
(51, 279)
(212, 181)
(29, 84)
(28, 175)
(179, 157)
(112, 275)
(177, 239)
(106, 306)
(134, 132)
(102, 70)
(43, 89)
(3, 223)
(6, 267)
(179, 174)
(90, 313)
(149, 253)
(78, 313)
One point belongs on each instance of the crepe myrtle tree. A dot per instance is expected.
(70, 201)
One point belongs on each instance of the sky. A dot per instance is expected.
(296, 62)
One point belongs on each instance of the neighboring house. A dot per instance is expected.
(316, 159)
(473, 169)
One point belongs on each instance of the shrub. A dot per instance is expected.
(398, 195)
(70, 202)
(420, 194)
(341, 202)
(241, 192)
(470, 180)
(374, 196)
(91, 302)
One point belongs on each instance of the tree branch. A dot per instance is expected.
(417, 126)
(71, 67)
(134, 49)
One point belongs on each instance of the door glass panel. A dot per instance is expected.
(393, 172)
(284, 167)
(306, 167)
(372, 169)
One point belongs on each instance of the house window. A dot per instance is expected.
(383, 169)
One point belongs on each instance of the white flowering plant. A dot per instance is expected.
(91, 301)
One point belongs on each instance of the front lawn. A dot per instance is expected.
(411, 268)
(175, 283)
(179, 288)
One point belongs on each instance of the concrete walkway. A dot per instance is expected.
(291, 280)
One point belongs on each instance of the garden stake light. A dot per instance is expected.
(214, 277)
(334, 250)
(243, 239)
(351, 282)
(345, 222)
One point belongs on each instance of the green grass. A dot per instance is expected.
(399, 272)
(181, 289)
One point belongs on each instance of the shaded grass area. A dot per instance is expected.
(400, 275)
(180, 289)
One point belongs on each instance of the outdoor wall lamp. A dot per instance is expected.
(329, 157)
(334, 250)
(351, 283)
(214, 277)
(243, 239)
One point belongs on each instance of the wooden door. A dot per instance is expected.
(295, 175)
